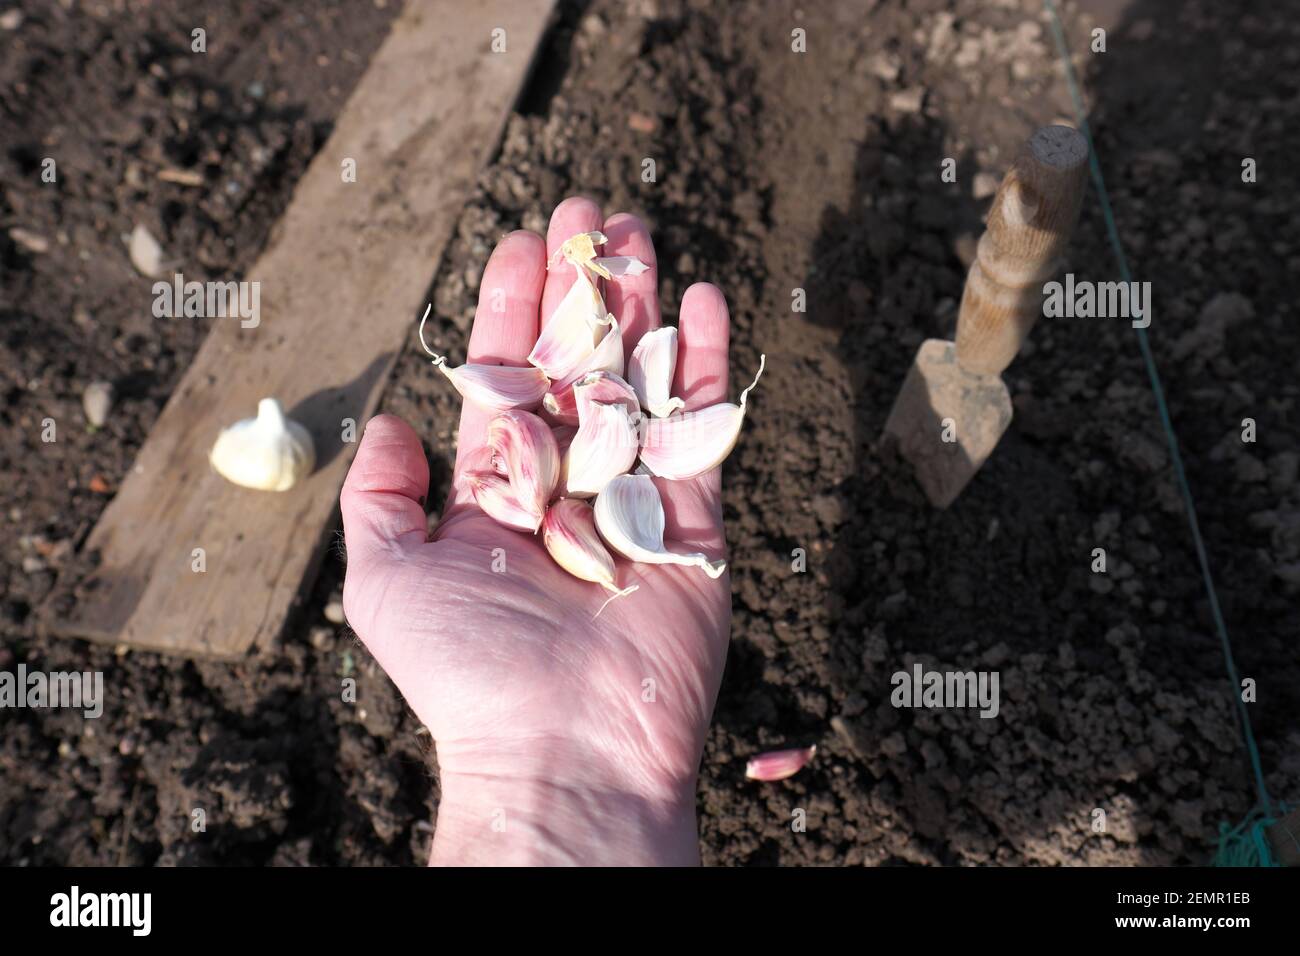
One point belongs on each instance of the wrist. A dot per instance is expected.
(551, 808)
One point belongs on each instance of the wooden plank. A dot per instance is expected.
(341, 286)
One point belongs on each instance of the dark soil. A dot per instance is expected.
(777, 171)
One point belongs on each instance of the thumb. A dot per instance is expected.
(383, 497)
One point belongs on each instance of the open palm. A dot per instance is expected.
(561, 736)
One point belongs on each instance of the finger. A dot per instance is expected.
(505, 322)
(634, 300)
(505, 325)
(693, 509)
(703, 336)
(576, 214)
(382, 498)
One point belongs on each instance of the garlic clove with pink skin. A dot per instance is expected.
(650, 371)
(778, 764)
(564, 437)
(524, 447)
(693, 443)
(569, 533)
(606, 357)
(494, 387)
(605, 446)
(499, 501)
(630, 519)
(604, 388)
(573, 332)
(497, 387)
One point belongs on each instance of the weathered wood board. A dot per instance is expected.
(341, 287)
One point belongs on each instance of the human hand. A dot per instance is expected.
(561, 737)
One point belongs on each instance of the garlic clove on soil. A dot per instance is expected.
(569, 533)
(778, 764)
(604, 446)
(650, 371)
(693, 443)
(268, 453)
(524, 448)
(630, 518)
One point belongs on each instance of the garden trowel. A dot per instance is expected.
(953, 406)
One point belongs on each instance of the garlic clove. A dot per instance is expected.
(564, 437)
(562, 404)
(268, 453)
(569, 533)
(693, 443)
(604, 388)
(497, 387)
(607, 357)
(573, 332)
(604, 446)
(524, 446)
(778, 764)
(499, 502)
(650, 371)
(630, 518)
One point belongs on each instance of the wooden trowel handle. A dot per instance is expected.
(1029, 224)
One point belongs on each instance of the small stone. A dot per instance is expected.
(334, 612)
(33, 565)
(97, 401)
(909, 100)
(985, 185)
(321, 637)
(31, 241)
(885, 66)
(145, 252)
(11, 19)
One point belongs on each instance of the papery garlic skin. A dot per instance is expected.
(524, 449)
(650, 371)
(499, 502)
(604, 446)
(497, 387)
(630, 518)
(267, 453)
(569, 533)
(616, 267)
(693, 443)
(778, 764)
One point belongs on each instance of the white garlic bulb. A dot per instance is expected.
(269, 452)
